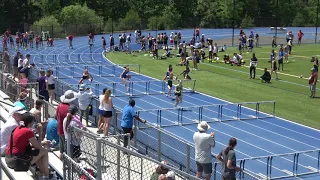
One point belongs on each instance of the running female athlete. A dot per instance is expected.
(86, 76)
(170, 79)
(178, 93)
(169, 71)
(124, 76)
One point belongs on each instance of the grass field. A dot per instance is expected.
(232, 83)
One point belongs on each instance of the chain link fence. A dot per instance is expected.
(111, 160)
(72, 170)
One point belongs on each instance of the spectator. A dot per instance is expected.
(22, 137)
(25, 65)
(84, 97)
(23, 82)
(15, 65)
(266, 77)
(253, 65)
(128, 114)
(203, 144)
(160, 172)
(6, 58)
(52, 131)
(61, 113)
(107, 108)
(72, 121)
(316, 64)
(51, 86)
(100, 122)
(21, 100)
(12, 122)
(313, 82)
(38, 124)
(229, 161)
(43, 86)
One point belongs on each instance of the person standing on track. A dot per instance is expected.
(104, 44)
(111, 43)
(178, 93)
(128, 115)
(125, 77)
(203, 144)
(70, 38)
(253, 65)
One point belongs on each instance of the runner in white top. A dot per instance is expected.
(107, 107)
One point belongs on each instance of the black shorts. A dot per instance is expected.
(207, 168)
(51, 87)
(177, 94)
(107, 114)
(44, 95)
(280, 61)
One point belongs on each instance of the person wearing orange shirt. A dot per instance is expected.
(197, 33)
(300, 34)
(70, 38)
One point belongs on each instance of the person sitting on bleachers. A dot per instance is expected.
(160, 171)
(21, 100)
(266, 77)
(12, 122)
(52, 131)
(25, 143)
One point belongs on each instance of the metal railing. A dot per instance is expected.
(209, 113)
(113, 161)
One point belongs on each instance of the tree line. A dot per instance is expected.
(113, 15)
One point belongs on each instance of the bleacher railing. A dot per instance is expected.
(53, 59)
(113, 161)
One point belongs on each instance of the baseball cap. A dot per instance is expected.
(17, 109)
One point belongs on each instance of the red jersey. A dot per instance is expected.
(70, 37)
(300, 34)
(91, 36)
(20, 141)
(61, 113)
(313, 78)
(197, 31)
(37, 39)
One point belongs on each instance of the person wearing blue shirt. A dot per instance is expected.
(128, 114)
(21, 101)
(52, 131)
(280, 59)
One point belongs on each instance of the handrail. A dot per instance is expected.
(90, 65)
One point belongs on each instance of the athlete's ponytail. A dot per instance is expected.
(232, 144)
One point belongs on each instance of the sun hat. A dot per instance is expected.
(18, 110)
(171, 175)
(68, 97)
(203, 126)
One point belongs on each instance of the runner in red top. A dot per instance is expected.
(241, 31)
(37, 41)
(5, 41)
(18, 41)
(50, 42)
(300, 34)
(197, 33)
(70, 38)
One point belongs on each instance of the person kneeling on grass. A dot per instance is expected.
(266, 77)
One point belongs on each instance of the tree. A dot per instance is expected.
(131, 21)
(48, 23)
(49, 7)
(80, 20)
(247, 21)
(171, 17)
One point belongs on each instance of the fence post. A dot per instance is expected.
(64, 169)
(159, 145)
(118, 160)
(99, 159)
(188, 159)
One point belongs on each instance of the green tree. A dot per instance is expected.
(48, 23)
(131, 21)
(80, 20)
(247, 21)
(171, 17)
(49, 7)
